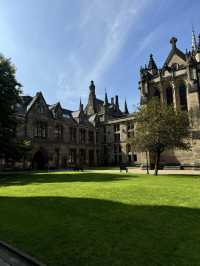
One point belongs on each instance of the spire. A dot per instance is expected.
(80, 106)
(116, 103)
(152, 64)
(106, 98)
(92, 86)
(91, 106)
(126, 108)
(194, 42)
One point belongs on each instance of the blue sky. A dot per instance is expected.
(58, 46)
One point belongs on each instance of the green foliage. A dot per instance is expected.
(102, 218)
(9, 97)
(23, 148)
(160, 127)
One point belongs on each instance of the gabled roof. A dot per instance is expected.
(22, 106)
(80, 117)
(152, 65)
(67, 113)
(56, 109)
(26, 99)
(174, 51)
(75, 114)
(34, 100)
(92, 118)
(99, 101)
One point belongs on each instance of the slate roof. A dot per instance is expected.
(152, 64)
(34, 99)
(75, 114)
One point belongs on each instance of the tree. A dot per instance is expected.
(22, 151)
(10, 91)
(160, 127)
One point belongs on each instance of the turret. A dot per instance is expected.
(198, 51)
(92, 87)
(152, 67)
(106, 99)
(126, 108)
(91, 106)
(80, 106)
(194, 42)
(116, 103)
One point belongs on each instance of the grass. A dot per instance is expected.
(79, 219)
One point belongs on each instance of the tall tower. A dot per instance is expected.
(194, 41)
(91, 106)
(152, 67)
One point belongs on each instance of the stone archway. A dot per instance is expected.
(39, 160)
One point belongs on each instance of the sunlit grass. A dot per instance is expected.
(102, 219)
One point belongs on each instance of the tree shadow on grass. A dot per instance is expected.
(52, 177)
(82, 231)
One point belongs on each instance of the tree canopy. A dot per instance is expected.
(160, 127)
(10, 91)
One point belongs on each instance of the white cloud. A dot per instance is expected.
(103, 29)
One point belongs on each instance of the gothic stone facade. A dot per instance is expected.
(97, 134)
(94, 135)
(177, 83)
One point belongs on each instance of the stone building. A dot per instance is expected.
(177, 82)
(97, 134)
(91, 136)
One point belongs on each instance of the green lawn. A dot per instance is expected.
(102, 219)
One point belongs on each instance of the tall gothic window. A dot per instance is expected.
(72, 156)
(40, 130)
(82, 154)
(72, 132)
(59, 132)
(183, 97)
(82, 136)
(91, 137)
(169, 96)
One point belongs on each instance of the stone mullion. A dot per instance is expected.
(174, 90)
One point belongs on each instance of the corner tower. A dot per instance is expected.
(91, 106)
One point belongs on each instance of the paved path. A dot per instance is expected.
(140, 171)
(10, 256)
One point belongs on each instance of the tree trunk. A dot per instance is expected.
(147, 163)
(157, 163)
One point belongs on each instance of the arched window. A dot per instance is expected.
(183, 97)
(169, 96)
